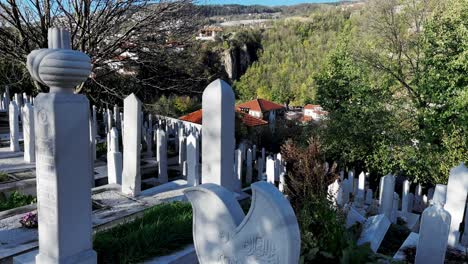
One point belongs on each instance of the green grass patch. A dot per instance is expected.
(15, 200)
(162, 230)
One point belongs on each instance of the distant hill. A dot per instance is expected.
(236, 10)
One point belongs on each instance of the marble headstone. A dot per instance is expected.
(269, 233)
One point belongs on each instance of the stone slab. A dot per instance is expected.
(411, 241)
(374, 231)
(185, 256)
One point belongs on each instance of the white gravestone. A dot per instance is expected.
(14, 127)
(94, 132)
(433, 234)
(182, 150)
(162, 154)
(193, 157)
(387, 195)
(374, 231)
(131, 177)
(354, 217)
(457, 189)
(223, 234)
(361, 188)
(114, 159)
(28, 133)
(282, 182)
(335, 193)
(249, 169)
(63, 154)
(238, 164)
(351, 181)
(440, 194)
(404, 197)
(218, 136)
(270, 170)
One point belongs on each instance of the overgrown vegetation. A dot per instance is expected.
(163, 229)
(15, 200)
(4, 177)
(391, 74)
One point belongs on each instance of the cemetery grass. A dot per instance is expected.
(163, 229)
(15, 200)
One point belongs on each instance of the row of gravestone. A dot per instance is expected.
(26, 113)
(188, 154)
(442, 212)
(64, 165)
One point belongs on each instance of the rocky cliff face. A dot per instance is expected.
(237, 59)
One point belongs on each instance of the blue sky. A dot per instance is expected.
(262, 2)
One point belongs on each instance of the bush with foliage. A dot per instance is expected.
(15, 200)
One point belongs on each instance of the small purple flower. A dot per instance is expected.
(29, 220)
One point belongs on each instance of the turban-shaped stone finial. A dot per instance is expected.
(59, 67)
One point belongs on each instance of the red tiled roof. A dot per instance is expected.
(311, 106)
(260, 105)
(194, 117)
(248, 120)
(251, 121)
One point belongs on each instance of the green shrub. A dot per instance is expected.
(163, 229)
(15, 200)
(4, 176)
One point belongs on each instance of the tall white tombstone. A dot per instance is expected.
(63, 154)
(218, 136)
(387, 195)
(380, 190)
(433, 233)
(238, 164)
(361, 188)
(28, 133)
(110, 120)
(114, 159)
(335, 194)
(116, 117)
(94, 130)
(193, 157)
(270, 170)
(351, 181)
(440, 194)
(282, 181)
(457, 189)
(248, 163)
(404, 197)
(7, 98)
(162, 154)
(131, 177)
(14, 127)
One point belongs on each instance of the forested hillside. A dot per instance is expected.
(294, 50)
(391, 74)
